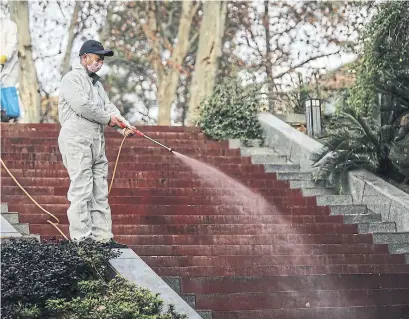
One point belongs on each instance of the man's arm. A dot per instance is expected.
(113, 110)
(73, 91)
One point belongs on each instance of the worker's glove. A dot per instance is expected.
(3, 59)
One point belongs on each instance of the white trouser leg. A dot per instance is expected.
(77, 158)
(100, 210)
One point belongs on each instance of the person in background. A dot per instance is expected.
(8, 53)
(84, 110)
(10, 68)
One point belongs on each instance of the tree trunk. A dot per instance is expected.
(170, 80)
(65, 66)
(29, 87)
(209, 51)
(269, 65)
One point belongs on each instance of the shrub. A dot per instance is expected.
(231, 112)
(57, 280)
(32, 272)
(117, 299)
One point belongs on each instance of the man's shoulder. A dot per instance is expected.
(74, 74)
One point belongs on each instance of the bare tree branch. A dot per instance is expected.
(298, 65)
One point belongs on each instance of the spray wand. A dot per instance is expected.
(141, 134)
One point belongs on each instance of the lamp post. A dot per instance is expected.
(313, 117)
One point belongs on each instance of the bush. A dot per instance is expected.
(118, 299)
(32, 272)
(69, 280)
(231, 112)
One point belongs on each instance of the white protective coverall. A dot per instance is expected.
(84, 109)
(9, 75)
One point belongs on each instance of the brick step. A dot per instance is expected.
(158, 159)
(240, 262)
(108, 134)
(299, 299)
(134, 219)
(158, 210)
(133, 240)
(244, 239)
(61, 187)
(140, 182)
(149, 174)
(365, 312)
(278, 201)
(258, 250)
(115, 142)
(137, 167)
(279, 270)
(147, 150)
(21, 127)
(227, 284)
(126, 149)
(137, 182)
(224, 229)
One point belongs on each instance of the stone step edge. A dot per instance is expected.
(130, 266)
(14, 230)
(175, 283)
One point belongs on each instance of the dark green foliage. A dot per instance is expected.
(231, 112)
(354, 142)
(32, 272)
(385, 60)
(67, 280)
(117, 299)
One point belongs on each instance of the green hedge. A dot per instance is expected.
(231, 112)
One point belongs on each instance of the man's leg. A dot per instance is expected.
(100, 211)
(77, 159)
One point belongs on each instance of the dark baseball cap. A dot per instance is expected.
(92, 46)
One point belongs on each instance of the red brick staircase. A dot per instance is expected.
(294, 261)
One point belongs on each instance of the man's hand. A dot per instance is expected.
(116, 121)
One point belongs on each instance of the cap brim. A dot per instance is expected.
(104, 52)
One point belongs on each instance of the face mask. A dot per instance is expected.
(94, 66)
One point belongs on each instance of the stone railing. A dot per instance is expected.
(365, 188)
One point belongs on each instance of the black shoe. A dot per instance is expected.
(115, 245)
